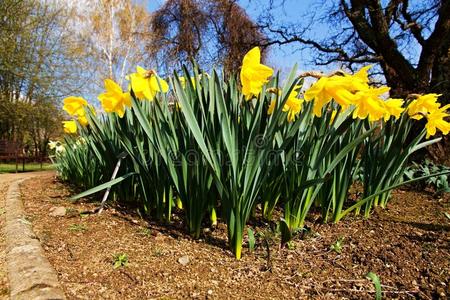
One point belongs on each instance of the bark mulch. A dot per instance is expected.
(406, 245)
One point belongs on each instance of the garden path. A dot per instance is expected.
(5, 181)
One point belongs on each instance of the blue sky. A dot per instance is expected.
(293, 11)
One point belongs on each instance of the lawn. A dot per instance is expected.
(29, 167)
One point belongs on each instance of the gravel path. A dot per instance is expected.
(5, 181)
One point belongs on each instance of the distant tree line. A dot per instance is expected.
(37, 68)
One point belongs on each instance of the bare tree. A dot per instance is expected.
(208, 31)
(409, 40)
(113, 35)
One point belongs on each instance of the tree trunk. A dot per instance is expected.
(440, 81)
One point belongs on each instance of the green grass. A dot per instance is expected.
(29, 167)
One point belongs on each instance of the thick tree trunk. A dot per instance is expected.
(399, 88)
(440, 80)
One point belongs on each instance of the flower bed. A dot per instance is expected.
(216, 147)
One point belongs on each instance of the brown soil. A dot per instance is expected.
(406, 245)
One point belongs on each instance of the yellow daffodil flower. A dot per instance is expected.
(436, 121)
(327, 88)
(293, 104)
(74, 106)
(83, 121)
(423, 105)
(253, 74)
(293, 107)
(360, 79)
(146, 84)
(70, 126)
(82, 115)
(369, 104)
(428, 107)
(393, 108)
(114, 99)
(183, 82)
(337, 87)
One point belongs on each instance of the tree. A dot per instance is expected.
(408, 40)
(113, 35)
(37, 68)
(208, 31)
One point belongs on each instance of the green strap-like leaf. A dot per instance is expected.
(102, 186)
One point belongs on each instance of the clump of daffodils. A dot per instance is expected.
(221, 121)
(76, 107)
(368, 102)
(354, 91)
(349, 91)
(144, 84)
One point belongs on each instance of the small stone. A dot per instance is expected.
(210, 292)
(184, 260)
(59, 211)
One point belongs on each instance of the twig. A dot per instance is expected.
(346, 280)
(368, 291)
(319, 74)
(269, 262)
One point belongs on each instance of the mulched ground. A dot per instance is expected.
(406, 245)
